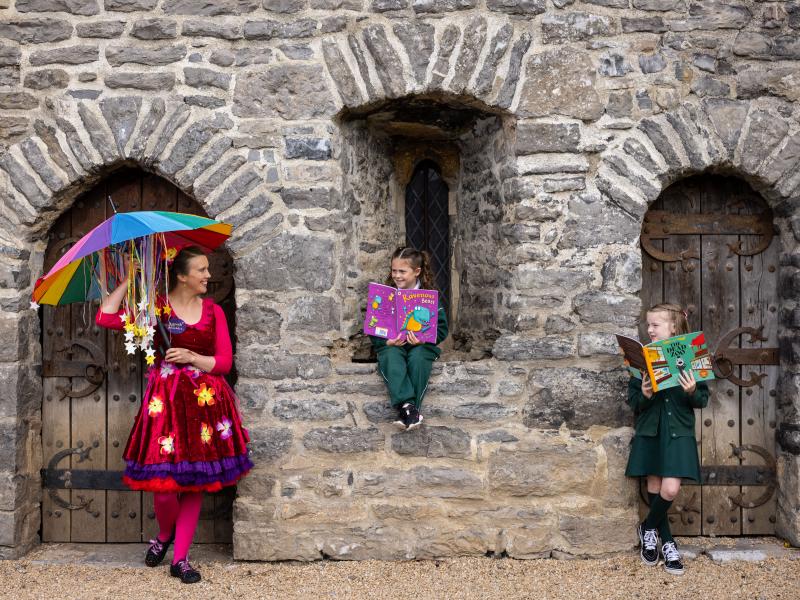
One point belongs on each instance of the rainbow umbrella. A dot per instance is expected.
(77, 275)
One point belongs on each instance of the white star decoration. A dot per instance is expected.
(34, 305)
(130, 347)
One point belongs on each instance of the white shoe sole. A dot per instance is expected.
(415, 425)
(399, 425)
(674, 571)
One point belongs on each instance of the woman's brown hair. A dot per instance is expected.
(676, 314)
(418, 260)
(180, 264)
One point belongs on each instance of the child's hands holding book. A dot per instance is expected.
(688, 382)
(647, 387)
(402, 340)
(411, 339)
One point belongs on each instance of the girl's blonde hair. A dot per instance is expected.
(676, 314)
(418, 260)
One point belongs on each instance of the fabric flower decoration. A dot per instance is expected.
(156, 406)
(205, 433)
(193, 372)
(205, 395)
(166, 370)
(169, 254)
(224, 428)
(167, 444)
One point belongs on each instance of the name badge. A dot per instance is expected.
(176, 325)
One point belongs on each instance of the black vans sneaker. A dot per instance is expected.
(413, 419)
(400, 421)
(185, 571)
(648, 539)
(672, 559)
(157, 551)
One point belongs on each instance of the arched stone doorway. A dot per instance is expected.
(92, 389)
(708, 243)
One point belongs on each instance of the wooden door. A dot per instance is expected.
(93, 389)
(708, 244)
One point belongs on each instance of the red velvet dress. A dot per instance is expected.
(188, 435)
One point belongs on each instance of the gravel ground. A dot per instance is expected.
(620, 576)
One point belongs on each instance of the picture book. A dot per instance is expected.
(666, 359)
(392, 312)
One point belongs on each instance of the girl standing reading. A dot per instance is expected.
(664, 448)
(188, 436)
(404, 362)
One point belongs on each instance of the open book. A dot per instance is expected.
(664, 360)
(391, 312)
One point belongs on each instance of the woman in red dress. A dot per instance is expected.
(188, 436)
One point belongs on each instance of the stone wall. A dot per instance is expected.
(260, 109)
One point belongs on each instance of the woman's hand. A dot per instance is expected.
(180, 356)
(412, 339)
(647, 387)
(688, 383)
(400, 340)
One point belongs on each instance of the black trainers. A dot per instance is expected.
(400, 421)
(157, 551)
(185, 571)
(672, 559)
(412, 417)
(648, 539)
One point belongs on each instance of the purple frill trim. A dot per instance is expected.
(226, 470)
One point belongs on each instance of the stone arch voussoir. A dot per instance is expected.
(84, 141)
(474, 55)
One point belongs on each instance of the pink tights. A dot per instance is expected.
(178, 512)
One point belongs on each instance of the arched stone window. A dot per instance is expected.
(428, 222)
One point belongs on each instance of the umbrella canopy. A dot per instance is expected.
(74, 278)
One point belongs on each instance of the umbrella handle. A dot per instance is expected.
(164, 335)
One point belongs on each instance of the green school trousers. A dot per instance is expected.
(406, 370)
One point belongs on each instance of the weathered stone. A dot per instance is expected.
(713, 15)
(602, 307)
(432, 442)
(71, 55)
(100, 29)
(542, 471)
(508, 89)
(210, 8)
(257, 325)
(708, 87)
(285, 6)
(85, 8)
(497, 50)
(239, 187)
(75, 144)
(205, 188)
(584, 534)
(517, 7)
(610, 224)
(620, 104)
(649, 24)
(194, 138)
(201, 77)
(268, 445)
(575, 27)
(47, 133)
(567, 70)
(278, 364)
(129, 5)
(18, 101)
(140, 81)
(442, 6)
(341, 74)
(657, 5)
(308, 148)
(652, 63)
(537, 164)
(573, 397)
(473, 40)
(778, 81)
(447, 44)
(97, 133)
(316, 314)
(608, 3)
(565, 184)
(155, 29)
(380, 6)
(162, 55)
(509, 347)
(121, 114)
(654, 129)
(36, 160)
(287, 91)
(417, 38)
(177, 118)
(623, 273)
(388, 63)
(209, 158)
(308, 410)
(210, 102)
(46, 78)
(764, 133)
(295, 262)
(344, 440)
(22, 180)
(35, 31)
(226, 31)
(9, 56)
(269, 29)
(593, 344)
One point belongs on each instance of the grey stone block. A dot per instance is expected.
(225, 31)
(44, 79)
(388, 63)
(100, 29)
(84, 8)
(432, 442)
(308, 148)
(344, 440)
(140, 81)
(441, 6)
(542, 471)
(603, 307)
(210, 9)
(417, 38)
(509, 347)
(473, 40)
(70, 55)
(316, 314)
(575, 27)
(269, 444)
(286, 91)
(162, 55)
(295, 262)
(201, 77)
(155, 29)
(341, 74)
(129, 5)
(308, 409)
(35, 31)
(121, 114)
(547, 137)
(517, 7)
(37, 160)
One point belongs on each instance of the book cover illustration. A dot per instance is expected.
(666, 359)
(391, 312)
